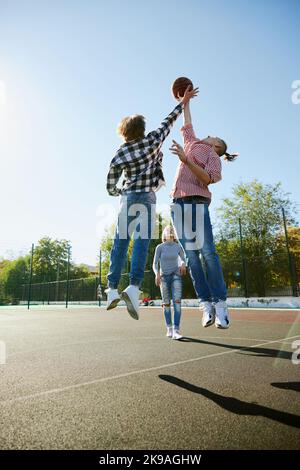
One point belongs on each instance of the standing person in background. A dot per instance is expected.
(168, 274)
(199, 167)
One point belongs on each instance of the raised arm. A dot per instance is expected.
(163, 131)
(187, 118)
(187, 130)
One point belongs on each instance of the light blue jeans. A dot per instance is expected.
(171, 288)
(136, 217)
(209, 286)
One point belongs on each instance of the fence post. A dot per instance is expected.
(30, 277)
(159, 226)
(243, 260)
(49, 286)
(295, 276)
(43, 291)
(96, 287)
(81, 293)
(68, 277)
(57, 282)
(292, 277)
(100, 274)
(23, 292)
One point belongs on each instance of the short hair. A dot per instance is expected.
(132, 127)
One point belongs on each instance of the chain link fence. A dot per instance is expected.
(255, 277)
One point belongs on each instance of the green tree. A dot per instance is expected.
(12, 275)
(50, 260)
(49, 263)
(229, 252)
(259, 207)
(284, 275)
(79, 271)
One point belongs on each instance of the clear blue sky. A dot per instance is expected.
(73, 68)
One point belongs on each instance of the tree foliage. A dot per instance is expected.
(49, 264)
(258, 207)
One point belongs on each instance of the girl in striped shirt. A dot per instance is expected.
(200, 166)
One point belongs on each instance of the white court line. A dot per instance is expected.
(38, 309)
(107, 340)
(275, 309)
(135, 372)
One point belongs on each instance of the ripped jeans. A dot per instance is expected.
(171, 288)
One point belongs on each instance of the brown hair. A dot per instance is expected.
(230, 157)
(132, 127)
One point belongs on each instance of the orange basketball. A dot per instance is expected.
(180, 85)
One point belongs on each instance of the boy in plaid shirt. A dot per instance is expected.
(140, 159)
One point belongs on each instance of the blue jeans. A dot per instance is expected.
(209, 286)
(137, 217)
(171, 288)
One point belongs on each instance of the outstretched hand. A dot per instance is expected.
(188, 94)
(176, 149)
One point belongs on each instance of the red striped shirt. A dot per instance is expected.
(202, 154)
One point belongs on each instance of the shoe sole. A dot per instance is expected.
(210, 323)
(222, 327)
(113, 304)
(131, 310)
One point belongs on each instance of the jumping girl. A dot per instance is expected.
(199, 167)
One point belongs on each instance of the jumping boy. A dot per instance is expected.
(140, 158)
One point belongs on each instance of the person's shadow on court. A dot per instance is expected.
(295, 386)
(234, 405)
(247, 350)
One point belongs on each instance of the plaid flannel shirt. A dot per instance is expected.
(141, 160)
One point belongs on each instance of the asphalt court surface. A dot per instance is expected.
(87, 378)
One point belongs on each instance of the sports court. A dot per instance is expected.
(86, 378)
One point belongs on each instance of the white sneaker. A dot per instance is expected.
(113, 298)
(176, 334)
(169, 333)
(222, 315)
(208, 315)
(131, 297)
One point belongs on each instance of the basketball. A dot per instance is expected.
(180, 85)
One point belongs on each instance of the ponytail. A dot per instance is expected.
(230, 157)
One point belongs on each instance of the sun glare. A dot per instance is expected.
(2, 93)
